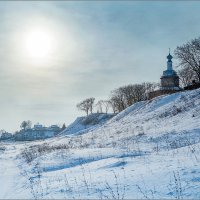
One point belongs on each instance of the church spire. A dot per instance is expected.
(169, 62)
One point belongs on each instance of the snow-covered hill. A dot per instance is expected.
(176, 114)
(84, 124)
(151, 150)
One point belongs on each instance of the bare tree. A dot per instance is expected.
(99, 106)
(113, 105)
(149, 87)
(125, 96)
(139, 92)
(186, 76)
(129, 94)
(91, 103)
(106, 104)
(189, 55)
(86, 105)
(117, 99)
(122, 97)
(103, 105)
(26, 125)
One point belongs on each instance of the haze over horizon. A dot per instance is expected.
(55, 54)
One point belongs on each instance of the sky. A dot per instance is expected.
(53, 54)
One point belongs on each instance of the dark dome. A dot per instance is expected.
(169, 57)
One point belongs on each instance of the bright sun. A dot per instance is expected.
(38, 44)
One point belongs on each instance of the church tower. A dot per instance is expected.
(169, 79)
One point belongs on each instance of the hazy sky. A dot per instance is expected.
(86, 49)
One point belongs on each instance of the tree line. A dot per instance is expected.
(120, 98)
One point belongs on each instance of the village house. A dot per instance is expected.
(38, 132)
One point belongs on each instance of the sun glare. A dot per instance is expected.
(43, 46)
(38, 44)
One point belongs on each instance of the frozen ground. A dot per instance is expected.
(150, 151)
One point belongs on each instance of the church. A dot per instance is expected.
(169, 81)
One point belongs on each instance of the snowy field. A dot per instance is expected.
(151, 150)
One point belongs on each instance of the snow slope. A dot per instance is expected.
(175, 115)
(86, 123)
(151, 150)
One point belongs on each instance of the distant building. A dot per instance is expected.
(169, 81)
(38, 126)
(38, 132)
(6, 136)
